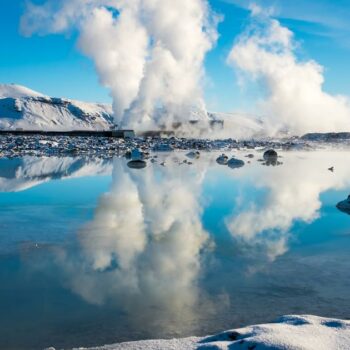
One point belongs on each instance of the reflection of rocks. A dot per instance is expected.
(271, 158)
(234, 163)
(193, 155)
(344, 206)
(137, 164)
(272, 163)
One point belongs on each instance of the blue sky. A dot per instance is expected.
(53, 65)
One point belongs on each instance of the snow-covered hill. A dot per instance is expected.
(22, 108)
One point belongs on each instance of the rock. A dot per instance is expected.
(136, 154)
(163, 148)
(222, 160)
(270, 154)
(344, 206)
(235, 163)
(45, 144)
(270, 157)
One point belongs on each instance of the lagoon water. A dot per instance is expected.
(93, 252)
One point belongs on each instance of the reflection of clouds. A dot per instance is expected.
(142, 248)
(293, 193)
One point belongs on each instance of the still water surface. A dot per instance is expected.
(92, 252)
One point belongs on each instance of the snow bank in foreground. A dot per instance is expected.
(287, 333)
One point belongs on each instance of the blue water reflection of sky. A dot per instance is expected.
(93, 252)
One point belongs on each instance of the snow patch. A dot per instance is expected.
(286, 333)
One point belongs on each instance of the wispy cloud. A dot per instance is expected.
(330, 15)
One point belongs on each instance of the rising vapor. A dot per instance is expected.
(149, 53)
(295, 100)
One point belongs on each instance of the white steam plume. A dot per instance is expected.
(149, 53)
(295, 100)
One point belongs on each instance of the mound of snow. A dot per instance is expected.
(22, 108)
(287, 333)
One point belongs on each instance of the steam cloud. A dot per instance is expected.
(149, 53)
(295, 100)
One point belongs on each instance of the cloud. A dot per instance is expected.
(149, 53)
(330, 14)
(294, 98)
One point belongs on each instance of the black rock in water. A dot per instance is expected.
(344, 206)
(270, 154)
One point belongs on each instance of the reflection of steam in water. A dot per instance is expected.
(293, 193)
(117, 233)
(142, 249)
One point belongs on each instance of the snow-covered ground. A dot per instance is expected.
(22, 108)
(287, 333)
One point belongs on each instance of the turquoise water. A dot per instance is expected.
(92, 252)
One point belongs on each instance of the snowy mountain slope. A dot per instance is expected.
(17, 91)
(22, 108)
